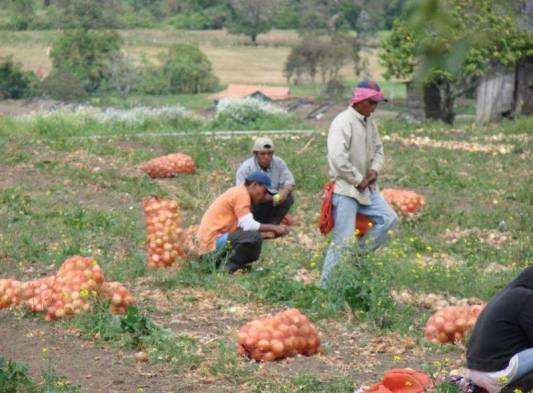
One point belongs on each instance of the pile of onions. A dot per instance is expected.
(169, 165)
(66, 293)
(119, 296)
(164, 233)
(285, 334)
(451, 324)
(362, 225)
(406, 201)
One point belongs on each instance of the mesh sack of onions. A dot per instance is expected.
(65, 293)
(285, 334)
(405, 201)
(169, 165)
(164, 233)
(451, 324)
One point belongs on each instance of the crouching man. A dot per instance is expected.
(228, 229)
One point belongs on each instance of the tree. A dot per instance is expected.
(23, 13)
(451, 43)
(89, 14)
(252, 17)
(184, 70)
(86, 55)
(14, 82)
(324, 56)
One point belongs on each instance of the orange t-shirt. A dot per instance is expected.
(223, 216)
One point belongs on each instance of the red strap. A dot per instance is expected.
(325, 222)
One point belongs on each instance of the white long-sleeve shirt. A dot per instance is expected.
(354, 147)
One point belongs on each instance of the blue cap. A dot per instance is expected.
(263, 179)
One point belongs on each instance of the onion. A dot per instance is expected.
(264, 345)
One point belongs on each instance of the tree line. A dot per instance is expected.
(251, 17)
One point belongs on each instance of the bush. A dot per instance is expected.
(14, 82)
(85, 54)
(252, 113)
(63, 86)
(185, 70)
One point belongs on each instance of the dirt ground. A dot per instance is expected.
(351, 352)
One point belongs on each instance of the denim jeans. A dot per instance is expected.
(519, 366)
(343, 240)
(525, 363)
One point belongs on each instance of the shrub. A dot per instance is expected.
(63, 86)
(185, 70)
(188, 71)
(85, 54)
(253, 113)
(14, 82)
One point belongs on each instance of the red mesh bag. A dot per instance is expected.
(169, 165)
(285, 334)
(402, 380)
(451, 324)
(362, 223)
(164, 234)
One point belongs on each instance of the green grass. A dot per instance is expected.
(14, 378)
(137, 331)
(55, 203)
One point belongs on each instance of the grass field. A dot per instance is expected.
(64, 194)
(233, 59)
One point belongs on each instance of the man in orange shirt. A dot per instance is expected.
(228, 228)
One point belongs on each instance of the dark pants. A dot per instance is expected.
(242, 248)
(267, 213)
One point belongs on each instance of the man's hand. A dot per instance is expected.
(369, 179)
(371, 176)
(363, 185)
(281, 230)
(284, 193)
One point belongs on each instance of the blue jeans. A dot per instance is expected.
(525, 363)
(344, 212)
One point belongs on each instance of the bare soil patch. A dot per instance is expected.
(96, 369)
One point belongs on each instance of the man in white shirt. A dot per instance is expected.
(355, 157)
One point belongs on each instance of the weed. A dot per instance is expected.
(14, 379)
(306, 383)
(137, 331)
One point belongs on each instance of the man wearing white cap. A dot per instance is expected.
(355, 157)
(276, 206)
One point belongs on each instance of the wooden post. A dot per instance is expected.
(524, 87)
(495, 94)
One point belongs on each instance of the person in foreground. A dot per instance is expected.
(228, 229)
(500, 349)
(355, 157)
(276, 206)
